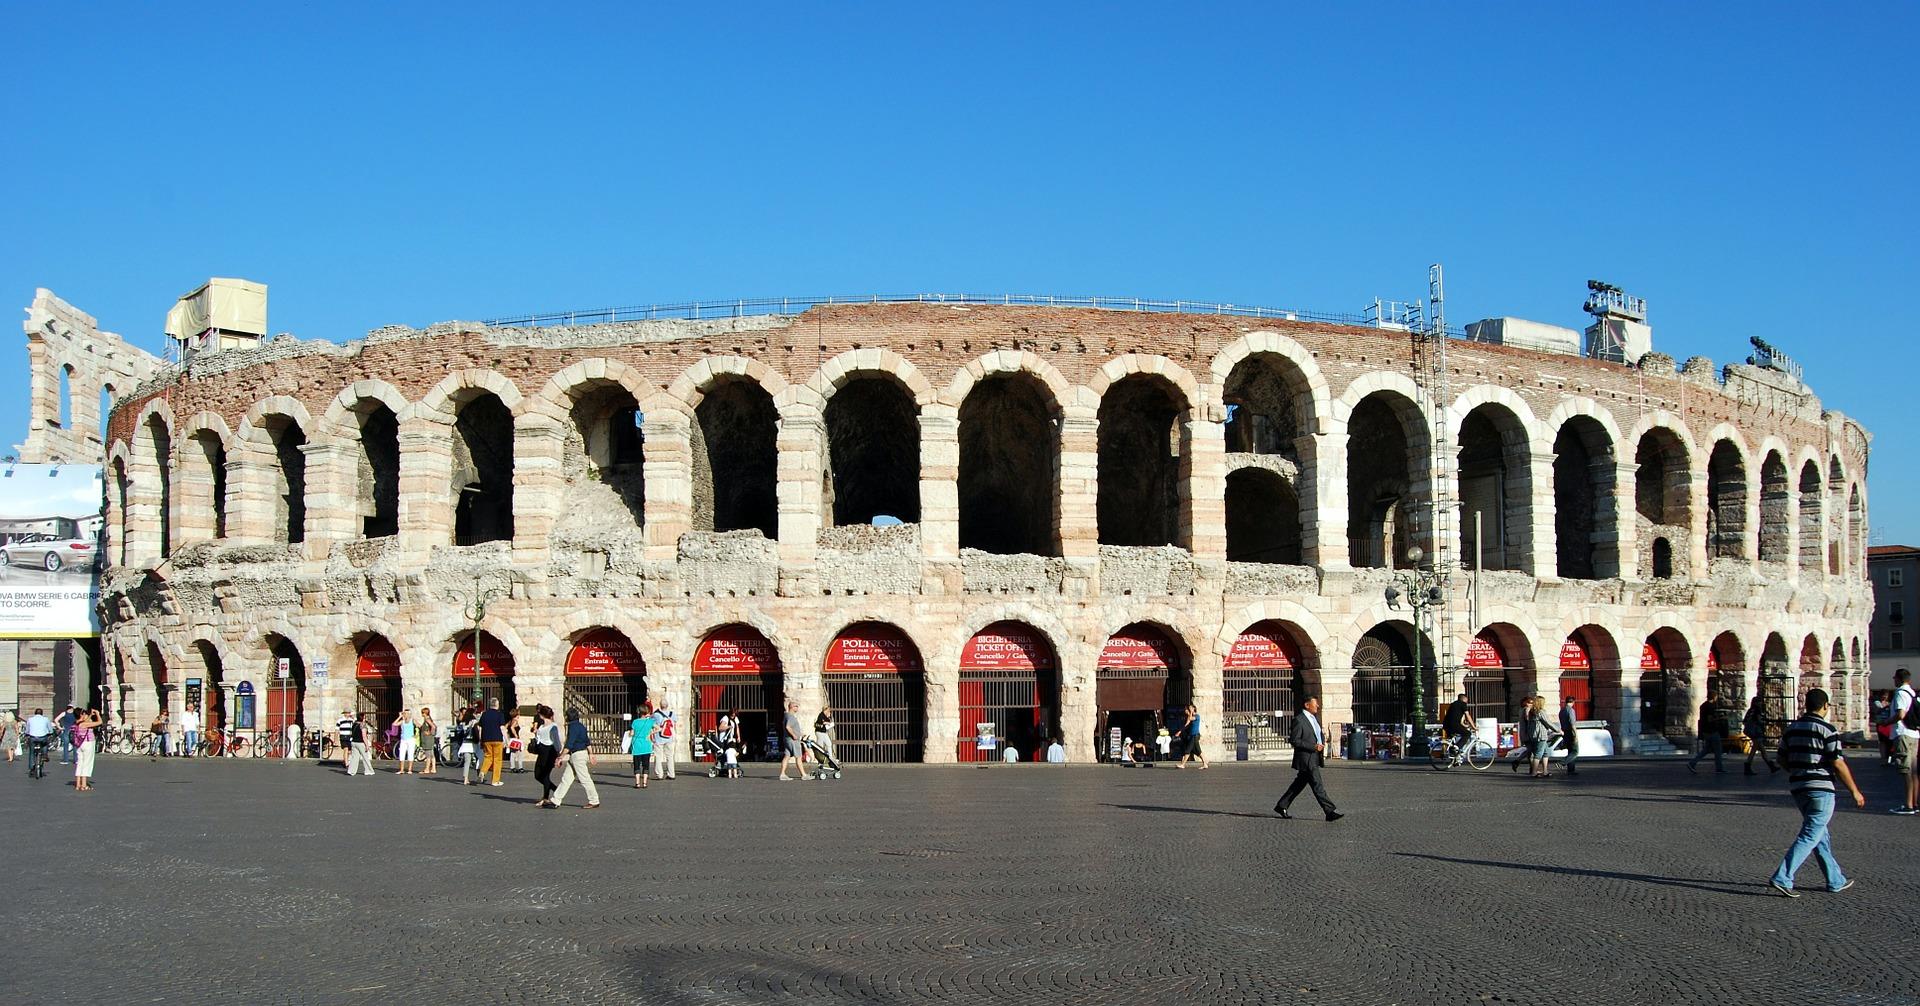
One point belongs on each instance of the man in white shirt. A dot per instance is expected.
(1056, 753)
(190, 730)
(1906, 740)
(39, 739)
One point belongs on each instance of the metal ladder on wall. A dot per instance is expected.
(1429, 333)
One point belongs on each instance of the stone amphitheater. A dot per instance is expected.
(1062, 522)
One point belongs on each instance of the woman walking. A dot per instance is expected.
(468, 733)
(516, 743)
(10, 733)
(823, 731)
(546, 752)
(1190, 740)
(1540, 733)
(85, 722)
(409, 742)
(430, 735)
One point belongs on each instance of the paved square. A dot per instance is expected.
(245, 881)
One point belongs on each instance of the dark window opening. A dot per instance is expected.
(605, 445)
(1380, 476)
(1662, 559)
(873, 453)
(213, 455)
(1582, 494)
(1009, 467)
(736, 460)
(1139, 466)
(162, 445)
(1263, 518)
(1776, 510)
(1495, 484)
(1810, 544)
(1262, 407)
(482, 471)
(377, 487)
(289, 480)
(1726, 502)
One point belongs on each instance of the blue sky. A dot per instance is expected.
(1746, 168)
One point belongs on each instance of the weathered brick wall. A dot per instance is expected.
(591, 548)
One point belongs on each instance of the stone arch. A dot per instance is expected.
(1494, 433)
(1776, 508)
(711, 371)
(274, 431)
(1011, 422)
(1585, 492)
(1663, 495)
(1262, 517)
(558, 396)
(1727, 494)
(1497, 689)
(335, 419)
(1857, 523)
(364, 420)
(871, 465)
(1295, 361)
(1812, 494)
(1120, 368)
(734, 442)
(1009, 362)
(205, 477)
(1313, 635)
(1601, 678)
(1384, 667)
(1838, 516)
(596, 404)
(1144, 453)
(871, 361)
(1388, 475)
(442, 401)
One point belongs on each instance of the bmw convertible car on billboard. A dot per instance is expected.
(50, 551)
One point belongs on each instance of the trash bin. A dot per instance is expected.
(1240, 743)
(1357, 746)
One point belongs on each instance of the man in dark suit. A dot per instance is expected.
(1309, 740)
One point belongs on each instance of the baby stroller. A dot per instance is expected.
(725, 752)
(824, 764)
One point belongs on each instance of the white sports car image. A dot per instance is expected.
(44, 551)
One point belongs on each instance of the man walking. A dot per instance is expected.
(790, 742)
(1712, 731)
(1906, 739)
(1754, 725)
(1569, 723)
(345, 727)
(39, 740)
(578, 763)
(1810, 750)
(493, 738)
(1309, 755)
(664, 723)
(65, 723)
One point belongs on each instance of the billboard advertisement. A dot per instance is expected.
(50, 551)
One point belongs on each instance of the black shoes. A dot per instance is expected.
(1334, 815)
(1281, 809)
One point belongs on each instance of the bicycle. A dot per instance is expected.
(270, 745)
(1475, 752)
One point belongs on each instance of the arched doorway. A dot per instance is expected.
(1499, 674)
(1775, 685)
(162, 685)
(1010, 684)
(214, 705)
(1576, 677)
(736, 669)
(606, 682)
(877, 687)
(1653, 688)
(483, 676)
(286, 688)
(1383, 685)
(1590, 672)
(376, 679)
(1265, 678)
(1142, 680)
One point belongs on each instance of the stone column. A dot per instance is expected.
(1543, 556)
(539, 489)
(1077, 517)
(426, 472)
(333, 513)
(1216, 741)
(1336, 706)
(1697, 523)
(939, 513)
(668, 474)
(1203, 463)
(1626, 526)
(802, 447)
(1079, 705)
(1323, 499)
(943, 709)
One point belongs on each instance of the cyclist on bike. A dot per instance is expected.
(1458, 721)
(39, 739)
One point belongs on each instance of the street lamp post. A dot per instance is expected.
(476, 612)
(1421, 588)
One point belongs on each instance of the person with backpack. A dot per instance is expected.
(577, 764)
(664, 723)
(1881, 716)
(1906, 738)
(640, 746)
(1754, 725)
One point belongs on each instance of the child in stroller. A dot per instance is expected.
(723, 744)
(823, 762)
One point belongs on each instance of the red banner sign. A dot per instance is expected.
(1650, 657)
(1139, 647)
(495, 660)
(736, 649)
(1484, 651)
(1573, 656)
(873, 646)
(1264, 647)
(1007, 646)
(378, 659)
(605, 651)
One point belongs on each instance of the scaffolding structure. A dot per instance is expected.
(1429, 335)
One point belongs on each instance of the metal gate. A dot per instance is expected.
(878, 716)
(755, 697)
(483, 689)
(606, 703)
(1010, 700)
(1250, 699)
(379, 697)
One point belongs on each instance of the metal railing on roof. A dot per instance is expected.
(715, 309)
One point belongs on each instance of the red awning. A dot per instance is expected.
(1007, 646)
(604, 651)
(873, 646)
(736, 649)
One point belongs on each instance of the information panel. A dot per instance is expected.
(50, 551)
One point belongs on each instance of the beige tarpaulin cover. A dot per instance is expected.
(231, 305)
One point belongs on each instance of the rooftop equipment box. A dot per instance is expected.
(1523, 334)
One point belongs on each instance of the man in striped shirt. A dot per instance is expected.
(1810, 752)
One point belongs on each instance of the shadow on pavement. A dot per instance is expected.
(1754, 890)
(1154, 808)
(1705, 801)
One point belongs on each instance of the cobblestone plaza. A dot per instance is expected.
(250, 881)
